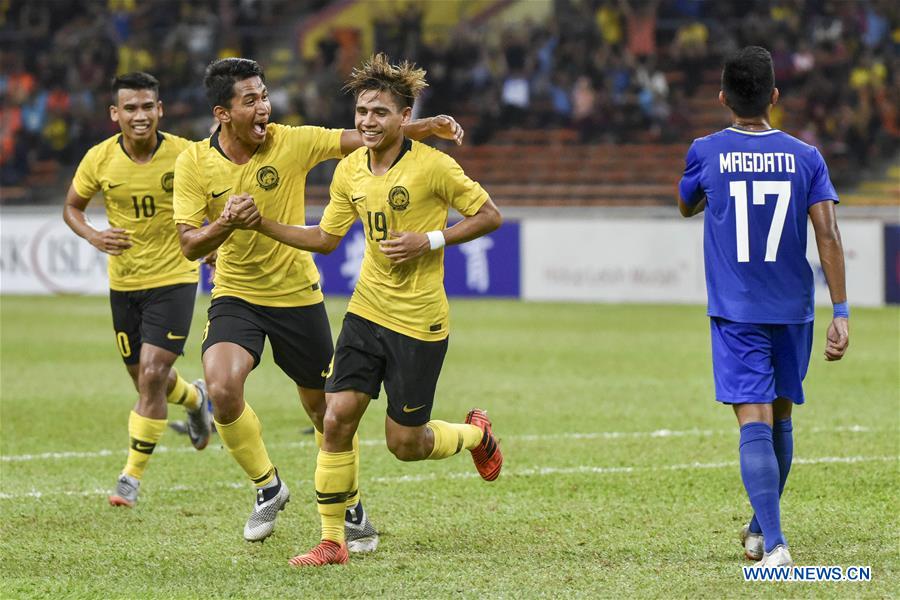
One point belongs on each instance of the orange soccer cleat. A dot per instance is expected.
(487, 456)
(326, 553)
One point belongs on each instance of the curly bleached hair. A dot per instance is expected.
(405, 81)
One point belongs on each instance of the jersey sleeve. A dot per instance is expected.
(339, 215)
(317, 144)
(86, 183)
(689, 187)
(820, 187)
(456, 188)
(189, 197)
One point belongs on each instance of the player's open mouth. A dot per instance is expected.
(259, 128)
(142, 128)
(370, 135)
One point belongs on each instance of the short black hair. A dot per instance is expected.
(748, 79)
(137, 80)
(222, 74)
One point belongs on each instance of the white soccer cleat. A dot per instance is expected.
(778, 557)
(753, 543)
(126, 491)
(261, 522)
(361, 535)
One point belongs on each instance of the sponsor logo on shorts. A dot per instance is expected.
(172, 336)
(407, 409)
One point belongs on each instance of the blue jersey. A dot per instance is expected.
(759, 187)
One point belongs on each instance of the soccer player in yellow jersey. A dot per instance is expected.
(152, 285)
(396, 327)
(263, 288)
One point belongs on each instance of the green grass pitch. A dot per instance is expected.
(620, 480)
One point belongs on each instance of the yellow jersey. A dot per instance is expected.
(414, 195)
(138, 199)
(250, 265)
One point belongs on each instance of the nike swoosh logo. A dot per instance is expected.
(215, 195)
(143, 446)
(407, 409)
(172, 336)
(357, 199)
(111, 186)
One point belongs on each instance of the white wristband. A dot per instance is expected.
(436, 239)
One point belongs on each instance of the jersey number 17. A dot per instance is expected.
(761, 189)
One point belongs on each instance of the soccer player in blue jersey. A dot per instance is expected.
(757, 185)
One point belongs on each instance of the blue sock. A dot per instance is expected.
(783, 440)
(759, 470)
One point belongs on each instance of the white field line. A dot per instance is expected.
(536, 471)
(598, 435)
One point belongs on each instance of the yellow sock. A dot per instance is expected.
(243, 439)
(353, 498)
(144, 433)
(334, 478)
(450, 438)
(184, 393)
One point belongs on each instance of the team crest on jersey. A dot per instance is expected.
(398, 198)
(168, 182)
(267, 178)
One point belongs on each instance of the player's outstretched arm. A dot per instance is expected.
(311, 238)
(113, 240)
(831, 255)
(241, 211)
(406, 245)
(442, 126)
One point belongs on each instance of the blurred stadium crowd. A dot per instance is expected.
(622, 71)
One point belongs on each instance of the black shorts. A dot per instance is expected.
(159, 316)
(368, 353)
(300, 335)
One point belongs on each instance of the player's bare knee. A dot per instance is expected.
(406, 447)
(227, 399)
(153, 374)
(338, 427)
(405, 452)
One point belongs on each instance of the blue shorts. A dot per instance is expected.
(757, 363)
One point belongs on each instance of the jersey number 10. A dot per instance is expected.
(145, 205)
(761, 189)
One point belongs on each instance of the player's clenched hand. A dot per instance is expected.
(228, 210)
(837, 339)
(113, 241)
(241, 212)
(445, 126)
(402, 246)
